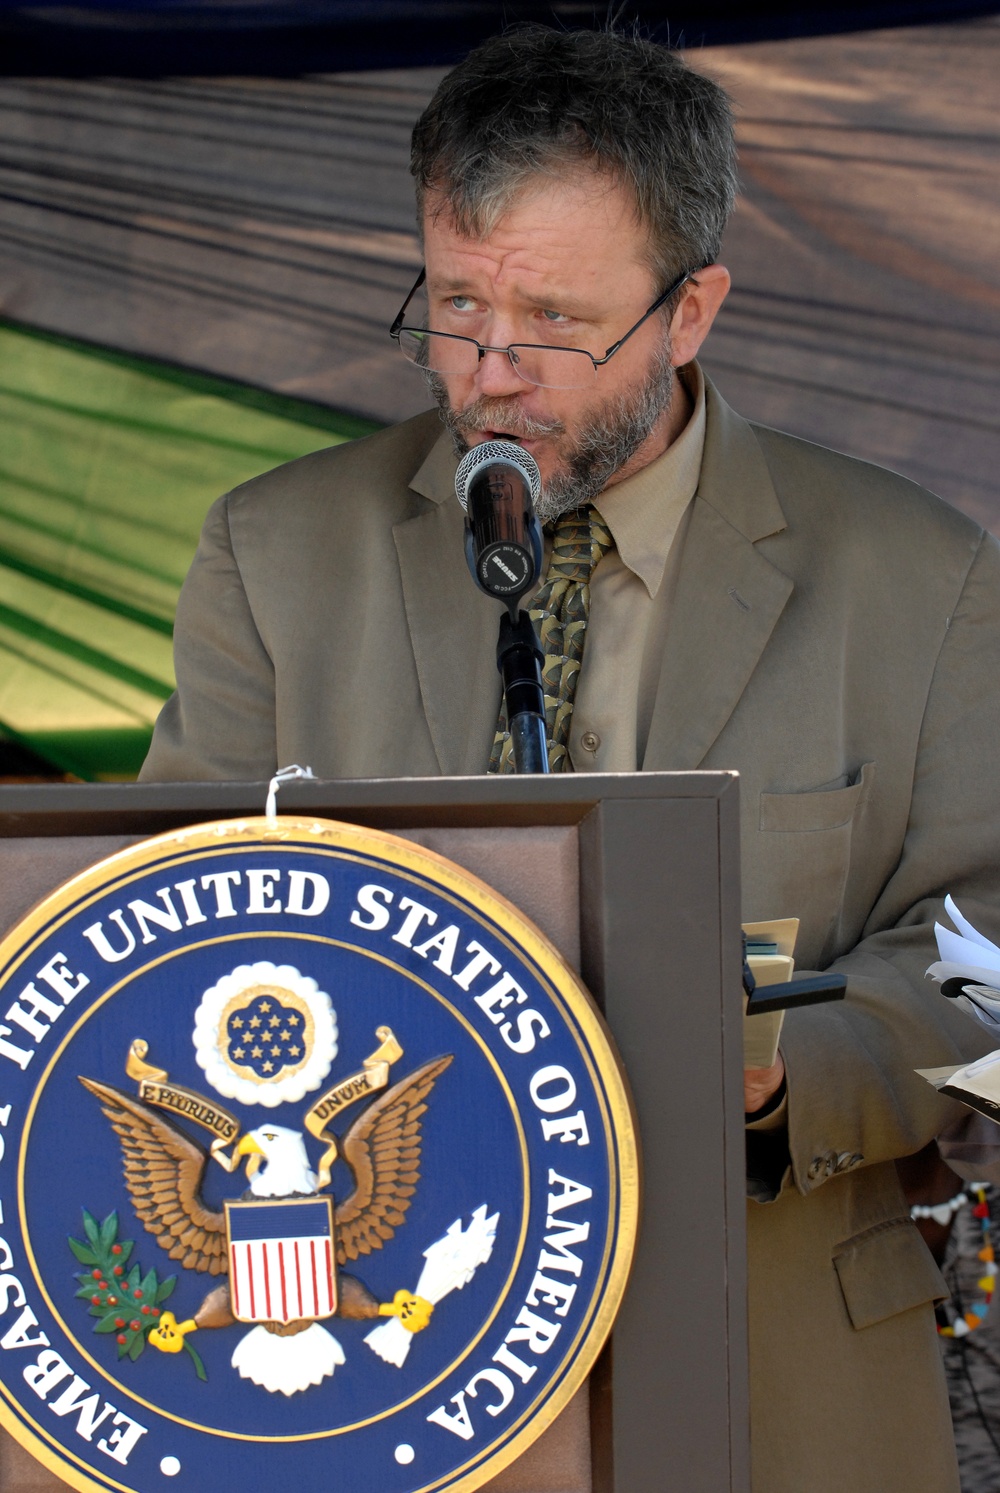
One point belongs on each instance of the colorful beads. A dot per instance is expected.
(960, 1325)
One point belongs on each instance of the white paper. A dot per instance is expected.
(965, 927)
(955, 949)
(975, 974)
(972, 1070)
(970, 957)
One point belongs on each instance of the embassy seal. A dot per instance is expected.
(317, 1167)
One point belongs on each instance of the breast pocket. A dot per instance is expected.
(806, 844)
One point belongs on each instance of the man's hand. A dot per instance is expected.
(761, 1084)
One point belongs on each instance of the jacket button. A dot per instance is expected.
(820, 1166)
(590, 741)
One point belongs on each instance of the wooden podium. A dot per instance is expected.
(635, 877)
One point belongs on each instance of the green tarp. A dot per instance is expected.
(107, 467)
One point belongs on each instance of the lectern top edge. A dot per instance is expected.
(398, 803)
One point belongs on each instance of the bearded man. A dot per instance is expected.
(757, 603)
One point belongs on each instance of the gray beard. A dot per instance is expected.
(604, 445)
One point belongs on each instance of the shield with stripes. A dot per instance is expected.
(281, 1259)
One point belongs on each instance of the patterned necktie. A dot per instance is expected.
(559, 612)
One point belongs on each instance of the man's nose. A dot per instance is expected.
(495, 375)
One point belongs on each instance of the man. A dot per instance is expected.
(756, 603)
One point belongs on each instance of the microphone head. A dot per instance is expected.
(485, 455)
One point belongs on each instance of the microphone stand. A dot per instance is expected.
(519, 659)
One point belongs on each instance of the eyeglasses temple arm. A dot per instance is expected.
(394, 329)
(660, 301)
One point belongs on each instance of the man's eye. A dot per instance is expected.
(462, 303)
(554, 316)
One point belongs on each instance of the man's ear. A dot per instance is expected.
(699, 306)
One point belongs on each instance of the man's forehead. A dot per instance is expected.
(577, 217)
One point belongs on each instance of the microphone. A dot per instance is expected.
(497, 484)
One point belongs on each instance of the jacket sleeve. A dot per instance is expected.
(853, 1097)
(220, 722)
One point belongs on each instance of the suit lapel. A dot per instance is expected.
(453, 626)
(727, 596)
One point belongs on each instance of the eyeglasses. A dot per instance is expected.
(537, 363)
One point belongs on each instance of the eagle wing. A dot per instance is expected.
(163, 1173)
(382, 1149)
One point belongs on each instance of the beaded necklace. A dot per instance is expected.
(951, 1323)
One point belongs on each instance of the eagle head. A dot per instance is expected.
(282, 1166)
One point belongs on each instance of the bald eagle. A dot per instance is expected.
(164, 1170)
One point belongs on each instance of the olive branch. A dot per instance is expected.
(126, 1303)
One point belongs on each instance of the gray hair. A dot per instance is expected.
(537, 101)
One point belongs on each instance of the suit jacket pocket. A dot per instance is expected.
(885, 1270)
(824, 808)
(805, 846)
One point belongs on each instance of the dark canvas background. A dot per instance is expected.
(262, 229)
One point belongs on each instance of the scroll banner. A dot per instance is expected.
(155, 1088)
(371, 1076)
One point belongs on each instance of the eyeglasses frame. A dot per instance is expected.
(398, 327)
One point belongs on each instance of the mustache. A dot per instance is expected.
(503, 415)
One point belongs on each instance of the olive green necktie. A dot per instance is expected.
(559, 612)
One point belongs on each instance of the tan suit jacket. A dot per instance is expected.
(836, 638)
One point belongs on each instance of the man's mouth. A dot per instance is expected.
(475, 423)
(478, 422)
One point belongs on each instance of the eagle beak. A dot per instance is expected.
(248, 1147)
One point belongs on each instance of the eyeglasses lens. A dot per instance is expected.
(438, 354)
(548, 367)
(554, 367)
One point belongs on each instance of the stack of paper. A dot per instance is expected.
(969, 972)
(969, 957)
(977, 1085)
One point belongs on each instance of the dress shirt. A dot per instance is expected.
(630, 593)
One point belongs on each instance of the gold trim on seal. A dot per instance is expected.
(510, 924)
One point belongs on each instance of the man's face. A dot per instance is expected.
(566, 266)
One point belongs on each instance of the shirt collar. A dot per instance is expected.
(644, 512)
